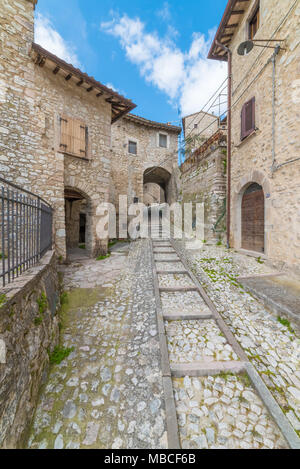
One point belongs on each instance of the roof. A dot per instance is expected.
(233, 14)
(156, 125)
(199, 112)
(120, 105)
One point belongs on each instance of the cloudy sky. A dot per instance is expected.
(153, 52)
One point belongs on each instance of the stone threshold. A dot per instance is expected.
(198, 369)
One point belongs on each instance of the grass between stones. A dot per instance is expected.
(59, 354)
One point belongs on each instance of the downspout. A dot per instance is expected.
(273, 60)
(229, 130)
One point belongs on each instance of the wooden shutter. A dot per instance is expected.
(248, 118)
(73, 137)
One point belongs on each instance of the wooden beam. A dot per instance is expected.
(238, 12)
(79, 83)
(90, 89)
(99, 94)
(56, 70)
(227, 35)
(68, 77)
(233, 25)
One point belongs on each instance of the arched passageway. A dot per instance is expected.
(156, 176)
(253, 219)
(78, 222)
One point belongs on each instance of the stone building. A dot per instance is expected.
(203, 180)
(144, 153)
(265, 174)
(55, 129)
(199, 127)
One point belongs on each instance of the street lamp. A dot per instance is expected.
(246, 47)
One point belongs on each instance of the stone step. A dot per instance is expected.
(171, 272)
(198, 369)
(177, 289)
(181, 316)
(168, 260)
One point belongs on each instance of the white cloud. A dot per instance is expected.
(47, 37)
(187, 77)
(164, 13)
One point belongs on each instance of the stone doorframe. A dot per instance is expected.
(238, 191)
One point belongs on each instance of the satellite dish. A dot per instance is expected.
(245, 48)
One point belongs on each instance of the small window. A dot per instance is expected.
(132, 147)
(248, 118)
(74, 137)
(135, 200)
(254, 24)
(195, 126)
(163, 141)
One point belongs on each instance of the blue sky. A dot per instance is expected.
(154, 52)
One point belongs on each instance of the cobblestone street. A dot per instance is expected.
(109, 392)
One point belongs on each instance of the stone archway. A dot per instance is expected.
(255, 180)
(161, 177)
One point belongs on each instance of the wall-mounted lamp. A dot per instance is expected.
(246, 47)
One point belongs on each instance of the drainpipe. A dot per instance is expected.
(229, 120)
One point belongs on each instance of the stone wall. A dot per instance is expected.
(29, 329)
(128, 170)
(32, 101)
(153, 194)
(252, 158)
(204, 181)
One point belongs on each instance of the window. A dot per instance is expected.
(248, 118)
(163, 140)
(132, 147)
(195, 126)
(74, 137)
(254, 24)
(135, 200)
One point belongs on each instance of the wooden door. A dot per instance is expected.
(253, 219)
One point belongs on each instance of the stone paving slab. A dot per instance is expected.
(195, 341)
(223, 412)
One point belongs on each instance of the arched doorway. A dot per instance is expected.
(157, 176)
(253, 219)
(77, 219)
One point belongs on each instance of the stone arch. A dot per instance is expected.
(160, 176)
(238, 191)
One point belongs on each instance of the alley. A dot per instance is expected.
(109, 392)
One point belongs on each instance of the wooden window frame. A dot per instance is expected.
(244, 131)
(134, 143)
(255, 15)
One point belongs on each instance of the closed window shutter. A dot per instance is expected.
(248, 118)
(73, 137)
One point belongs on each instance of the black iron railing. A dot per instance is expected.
(25, 230)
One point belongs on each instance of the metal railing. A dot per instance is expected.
(25, 230)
